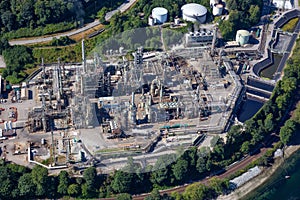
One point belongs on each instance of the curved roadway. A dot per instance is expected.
(125, 6)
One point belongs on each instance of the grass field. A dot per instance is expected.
(290, 25)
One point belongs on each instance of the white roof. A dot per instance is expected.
(243, 32)
(194, 9)
(159, 11)
(282, 4)
(245, 177)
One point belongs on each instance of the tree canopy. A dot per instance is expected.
(243, 14)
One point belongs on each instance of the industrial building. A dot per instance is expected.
(242, 37)
(159, 15)
(245, 177)
(202, 38)
(194, 12)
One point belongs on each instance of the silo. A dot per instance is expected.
(242, 37)
(160, 15)
(217, 10)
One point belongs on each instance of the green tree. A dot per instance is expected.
(26, 186)
(227, 30)
(90, 176)
(196, 191)
(8, 19)
(85, 190)
(296, 115)
(201, 164)
(160, 176)
(3, 45)
(154, 195)
(63, 183)
(124, 196)
(101, 14)
(121, 182)
(74, 190)
(180, 169)
(269, 122)
(287, 131)
(40, 179)
(6, 184)
(245, 148)
(254, 14)
(217, 185)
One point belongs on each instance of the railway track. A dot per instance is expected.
(230, 171)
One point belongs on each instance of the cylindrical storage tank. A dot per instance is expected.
(176, 21)
(213, 2)
(242, 37)
(160, 15)
(151, 21)
(218, 10)
(194, 12)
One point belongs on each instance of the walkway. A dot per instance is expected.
(125, 6)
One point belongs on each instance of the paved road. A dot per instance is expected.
(125, 6)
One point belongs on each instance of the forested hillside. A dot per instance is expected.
(54, 15)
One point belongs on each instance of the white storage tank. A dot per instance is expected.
(213, 2)
(160, 15)
(176, 20)
(151, 21)
(218, 10)
(194, 12)
(242, 37)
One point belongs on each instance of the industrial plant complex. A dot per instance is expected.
(141, 103)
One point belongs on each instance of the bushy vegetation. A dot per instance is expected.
(17, 58)
(62, 41)
(38, 17)
(47, 29)
(290, 25)
(243, 14)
